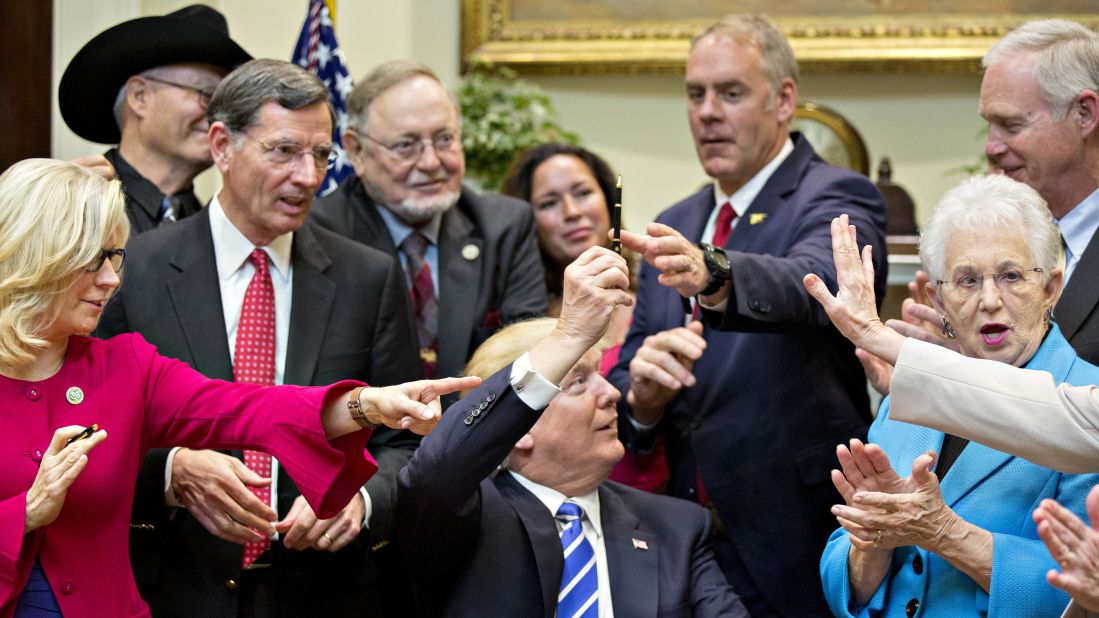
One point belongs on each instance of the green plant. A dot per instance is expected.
(502, 116)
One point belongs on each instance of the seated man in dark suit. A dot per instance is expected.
(248, 290)
(549, 535)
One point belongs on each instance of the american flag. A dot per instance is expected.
(318, 52)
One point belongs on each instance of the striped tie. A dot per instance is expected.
(579, 594)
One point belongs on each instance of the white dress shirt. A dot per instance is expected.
(1077, 228)
(235, 272)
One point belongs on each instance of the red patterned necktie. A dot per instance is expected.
(424, 306)
(254, 361)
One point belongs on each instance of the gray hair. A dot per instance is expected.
(1067, 59)
(382, 78)
(991, 202)
(778, 58)
(242, 93)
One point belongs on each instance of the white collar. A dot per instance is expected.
(232, 249)
(553, 500)
(1080, 224)
(744, 196)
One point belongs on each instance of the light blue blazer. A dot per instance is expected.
(989, 489)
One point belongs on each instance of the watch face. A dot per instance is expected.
(721, 260)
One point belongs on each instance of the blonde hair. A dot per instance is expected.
(506, 345)
(55, 219)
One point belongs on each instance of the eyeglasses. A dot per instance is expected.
(409, 149)
(284, 154)
(204, 95)
(116, 256)
(967, 285)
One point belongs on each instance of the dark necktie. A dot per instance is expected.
(579, 594)
(424, 306)
(254, 361)
(169, 209)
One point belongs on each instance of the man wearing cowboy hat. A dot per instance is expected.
(144, 84)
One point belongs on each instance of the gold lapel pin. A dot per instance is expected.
(756, 217)
(471, 252)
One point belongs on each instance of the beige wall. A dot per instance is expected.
(927, 124)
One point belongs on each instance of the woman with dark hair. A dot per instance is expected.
(571, 190)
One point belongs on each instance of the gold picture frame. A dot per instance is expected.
(835, 139)
(652, 36)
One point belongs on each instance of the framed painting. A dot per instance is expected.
(652, 36)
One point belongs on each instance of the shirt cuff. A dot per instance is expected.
(368, 507)
(532, 389)
(170, 498)
(642, 427)
(719, 307)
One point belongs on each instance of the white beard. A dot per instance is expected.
(416, 212)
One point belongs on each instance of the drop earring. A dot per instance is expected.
(948, 330)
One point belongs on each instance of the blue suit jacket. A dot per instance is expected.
(773, 398)
(479, 544)
(989, 489)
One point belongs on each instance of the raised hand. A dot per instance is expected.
(60, 467)
(1075, 546)
(679, 260)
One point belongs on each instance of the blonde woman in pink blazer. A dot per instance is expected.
(65, 508)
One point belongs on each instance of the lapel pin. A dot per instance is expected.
(639, 544)
(74, 395)
(471, 252)
(756, 217)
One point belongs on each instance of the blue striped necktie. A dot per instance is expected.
(579, 594)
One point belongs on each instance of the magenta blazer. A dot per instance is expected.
(144, 400)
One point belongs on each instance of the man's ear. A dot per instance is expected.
(356, 151)
(786, 99)
(137, 95)
(221, 145)
(1086, 109)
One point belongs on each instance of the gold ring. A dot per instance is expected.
(327, 536)
(1066, 561)
(877, 537)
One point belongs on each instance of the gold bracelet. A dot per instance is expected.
(355, 408)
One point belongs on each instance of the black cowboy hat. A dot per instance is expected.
(90, 85)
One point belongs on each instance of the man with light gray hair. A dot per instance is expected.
(1039, 96)
(471, 260)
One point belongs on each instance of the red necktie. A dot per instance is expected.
(724, 225)
(424, 306)
(254, 361)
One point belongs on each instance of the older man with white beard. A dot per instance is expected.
(471, 260)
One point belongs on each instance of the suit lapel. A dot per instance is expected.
(634, 572)
(694, 221)
(1081, 294)
(310, 306)
(196, 296)
(369, 226)
(542, 533)
(761, 213)
(459, 283)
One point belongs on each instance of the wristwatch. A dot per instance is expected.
(718, 265)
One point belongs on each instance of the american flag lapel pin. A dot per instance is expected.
(639, 544)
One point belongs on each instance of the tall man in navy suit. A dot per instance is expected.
(751, 417)
(550, 536)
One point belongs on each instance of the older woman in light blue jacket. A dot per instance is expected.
(956, 537)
